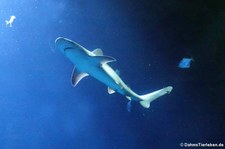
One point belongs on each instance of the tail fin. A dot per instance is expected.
(7, 22)
(148, 98)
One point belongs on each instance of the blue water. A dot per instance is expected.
(39, 108)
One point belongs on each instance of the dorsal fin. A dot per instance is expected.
(77, 76)
(98, 52)
(104, 59)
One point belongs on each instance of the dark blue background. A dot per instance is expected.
(40, 109)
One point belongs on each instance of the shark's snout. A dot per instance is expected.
(63, 44)
(58, 44)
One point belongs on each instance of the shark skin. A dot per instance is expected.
(95, 64)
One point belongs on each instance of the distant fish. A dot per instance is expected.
(185, 63)
(10, 21)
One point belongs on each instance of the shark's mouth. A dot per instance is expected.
(68, 48)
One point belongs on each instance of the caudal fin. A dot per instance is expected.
(6, 22)
(148, 98)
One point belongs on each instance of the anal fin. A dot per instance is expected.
(110, 91)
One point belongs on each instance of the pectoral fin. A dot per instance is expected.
(77, 76)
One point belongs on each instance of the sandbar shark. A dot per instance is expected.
(95, 64)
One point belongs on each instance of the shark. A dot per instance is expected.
(96, 64)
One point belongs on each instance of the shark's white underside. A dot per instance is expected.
(95, 64)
